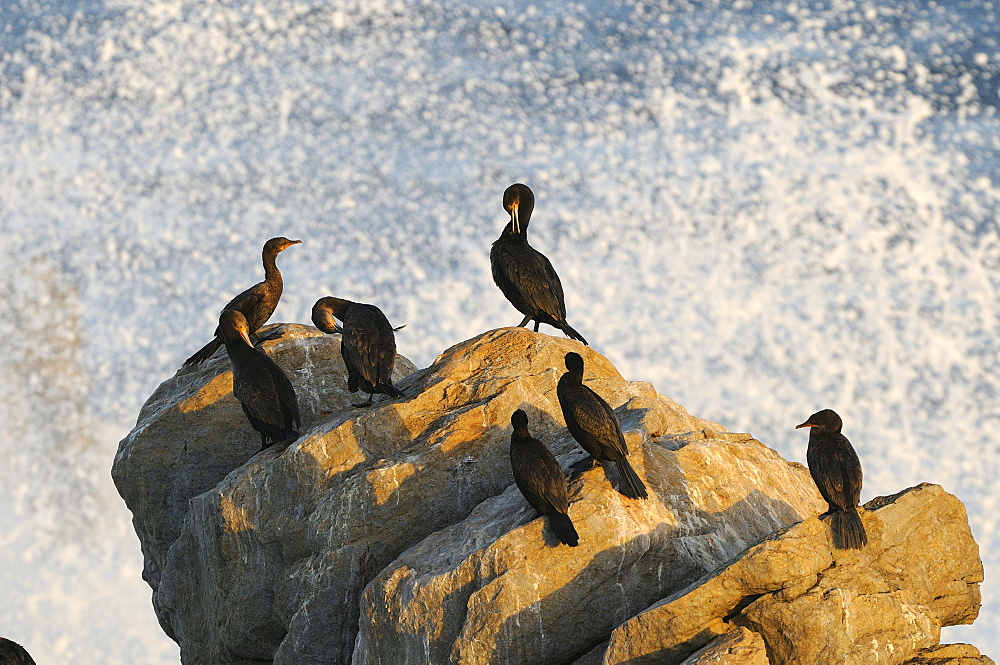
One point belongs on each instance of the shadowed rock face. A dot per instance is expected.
(395, 535)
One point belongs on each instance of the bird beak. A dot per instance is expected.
(514, 218)
(294, 242)
(805, 424)
(246, 337)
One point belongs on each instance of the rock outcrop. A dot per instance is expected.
(395, 535)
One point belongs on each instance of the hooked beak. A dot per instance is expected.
(246, 337)
(514, 217)
(294, 242)
(805, 424)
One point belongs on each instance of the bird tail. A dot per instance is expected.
(630, 481)
(204, 353)
(391, 390)
(848, 531)
(571, 332)
(563, 527)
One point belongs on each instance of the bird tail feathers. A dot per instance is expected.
(204, 353)
(632, 485)
(848, 531)
(571, 332)
(563, 527)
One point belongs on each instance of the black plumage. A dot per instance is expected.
(12, 653)
(368, 345)
(540, 479)
(256, 303)
(836, 470)
(595, 427)
(525, 276)
(260, 385)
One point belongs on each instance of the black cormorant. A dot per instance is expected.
(256, 303)
(368, 345)
(523, 273)
(836, 469)
(12, 653)
(595, 427)
(540, 478)
(259, 384)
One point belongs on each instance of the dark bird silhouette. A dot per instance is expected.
(12, 653)
(540, 479)
(368, 345)
(836, 470)
(256, 303)
(523, 273)
(266, 394)
(595, 427)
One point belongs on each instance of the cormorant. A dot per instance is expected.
(836, 469)
(368, 345)
(12, 653)
(523, 273)
(260, 385)
(540, 478)
(595, 427)
(256, 303)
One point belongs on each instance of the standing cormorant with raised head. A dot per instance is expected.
(595, 427)
(260, 385)
(12, 653)
(836, 469)
(256, 303)
(540, 479)
(368, 345)
(523, 273)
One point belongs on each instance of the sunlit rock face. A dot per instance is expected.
(395, 534)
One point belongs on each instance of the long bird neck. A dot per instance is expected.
(271, 273)
(508, 231)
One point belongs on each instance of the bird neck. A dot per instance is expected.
(508, 233)
(571, 377)
(271, 272)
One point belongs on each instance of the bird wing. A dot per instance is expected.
(834, 470)
(369, 343)
(532, 275)
(266, 392)
(540, 478)
(596, 417)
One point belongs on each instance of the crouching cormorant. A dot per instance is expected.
(12, 653)
(256, 303)
(540, 479)
(595, 427)
(266, 394)
(523, 273)
(368, 345)
(836, 469)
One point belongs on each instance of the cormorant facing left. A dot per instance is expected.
(256, 303)
(525, 276)
(12, 653)
(595, 427)
(263, 389)
(836, 469)
(368, 345)
(540, 478)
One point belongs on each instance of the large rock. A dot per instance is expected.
(813, 604)
(394, 534)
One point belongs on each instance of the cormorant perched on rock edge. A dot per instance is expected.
(368, 345)
(256, 303)
(525, 276)
(836, 470)
(595, 427)
(261, 386)
(12, 653)
(540, 479)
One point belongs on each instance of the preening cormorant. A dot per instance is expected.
(540, 478)
(12, 653)
(260, 385)
(836, 469)
(368, 345)
(256, 303)
(595, 427)
(523, 273)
